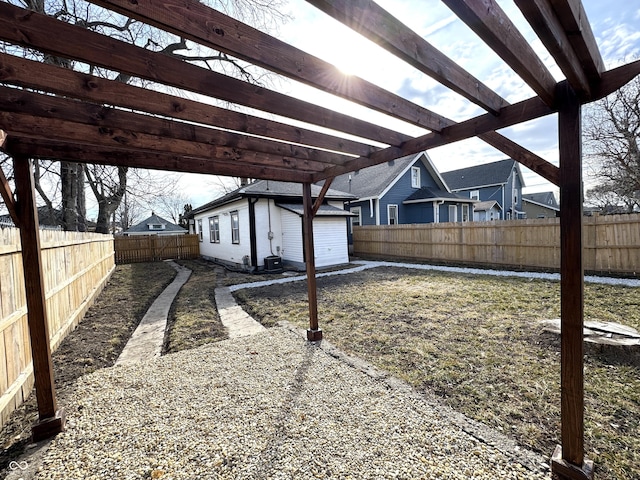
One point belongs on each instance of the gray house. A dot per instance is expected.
(500, 182)
(155, 225)
(540, 205)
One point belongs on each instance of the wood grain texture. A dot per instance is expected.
(488, 20)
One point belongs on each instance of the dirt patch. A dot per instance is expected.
(95, 343)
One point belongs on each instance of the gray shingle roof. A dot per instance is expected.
(548, 199)
(154, 219)
(323, 211)
(273, 189)
(427, 193)
(372, 181)
(495, 173)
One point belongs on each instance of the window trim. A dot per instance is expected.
(214, 233)
(235, 232)
(474, 195)
(454, 209)
(389, 207)
(465, 212)
(199, 227)
(415, 180)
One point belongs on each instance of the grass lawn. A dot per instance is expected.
(475, 342)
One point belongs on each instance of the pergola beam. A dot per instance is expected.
(63, 81)
(488, 20)
(568, 461)
(138, 126)
(202, 24)
(50, 419)
(574, 20)
(379, 26)
(68, 41)
(153, 160)
(545, 22)
(25, 125)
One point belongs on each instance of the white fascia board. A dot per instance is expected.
(541, 204)
(450, 200)
(395, 180)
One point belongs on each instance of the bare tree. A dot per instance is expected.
(109, 189)
(612, 128)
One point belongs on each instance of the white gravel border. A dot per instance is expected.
(364, 265)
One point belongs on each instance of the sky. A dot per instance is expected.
(616, 26)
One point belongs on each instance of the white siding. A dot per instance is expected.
(225, 250)
(330, 241)
(291, 237)
(266, 210)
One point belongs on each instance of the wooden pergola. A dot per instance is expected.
(58, 113)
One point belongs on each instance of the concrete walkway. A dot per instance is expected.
(238, 322)
(146, 341)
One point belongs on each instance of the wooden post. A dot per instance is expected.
(314, 333)
(568, 461)
(51, 420)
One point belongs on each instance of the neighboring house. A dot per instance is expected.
(47, 220)
(155, 225)
(500, 181)
(406, 190)
(487, 211)
(540, 205)
(264, 219)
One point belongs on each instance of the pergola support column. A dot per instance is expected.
(314, 333)
(50, 419)
(568, 461)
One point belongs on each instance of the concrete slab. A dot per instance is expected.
(146, 341)
(238, 322)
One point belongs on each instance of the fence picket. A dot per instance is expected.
(75, 266)
(153, 248)
(611, 243)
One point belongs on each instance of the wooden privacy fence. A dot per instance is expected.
(76, 267)
(611, 243)
(154, 248)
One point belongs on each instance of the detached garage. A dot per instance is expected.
(259, 224)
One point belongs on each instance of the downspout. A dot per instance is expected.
(270, 234)
(252, 232)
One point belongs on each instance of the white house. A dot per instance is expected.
(263, 220)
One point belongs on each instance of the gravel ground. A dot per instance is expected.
(262, 407)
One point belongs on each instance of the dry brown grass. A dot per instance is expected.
(475, 342)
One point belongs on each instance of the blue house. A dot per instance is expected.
(406, 190)
(497, 186)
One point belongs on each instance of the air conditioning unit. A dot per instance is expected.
(272, 264)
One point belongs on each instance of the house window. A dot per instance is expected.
(214, 229)
(235, 227)
(156, 226)
(357, 220)
(200, 229)
(515, 198)
(436, 212)
(453, 213)
(465, 213)
(392, 214)
(415, 177)
(474, 194)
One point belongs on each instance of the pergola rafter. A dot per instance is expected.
(52, 112)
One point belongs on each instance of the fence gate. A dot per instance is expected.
(155, 248)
